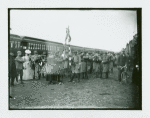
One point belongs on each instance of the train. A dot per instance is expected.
(22, 43)
(130, 46)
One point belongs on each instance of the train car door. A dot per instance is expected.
(24, 47)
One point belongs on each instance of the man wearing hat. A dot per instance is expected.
(105, 62)
(122, 61)
(19, 65)
(36, 68)
(129, 62)
(75, 68)
(100, 64)
(43, 62)
(13, 72)
(111, 62)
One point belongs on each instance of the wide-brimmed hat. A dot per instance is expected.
(27, 51)
(35, 52)
(18, 52)
(44, 53)
(12, 54)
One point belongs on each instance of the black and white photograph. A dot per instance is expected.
(75, 58)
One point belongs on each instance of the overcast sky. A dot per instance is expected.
(102, 29)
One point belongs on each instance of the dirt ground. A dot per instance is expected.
(91, 93)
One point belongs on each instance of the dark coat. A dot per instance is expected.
(122, 60)
(13, 72)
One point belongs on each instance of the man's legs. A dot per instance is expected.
(72, 77)
(119, 74)
(107, 75)
(78, 76)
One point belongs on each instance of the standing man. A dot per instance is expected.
(66, 62)
(129, 60)
(35, 61)
(100, 65)
(85, 60)
(122, 61)
(105, 62)
(111, 60)
(43, 58)
(13, 72)
(19, 65)
(75, 68)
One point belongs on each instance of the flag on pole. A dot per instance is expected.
(69, 38)
(68, 35)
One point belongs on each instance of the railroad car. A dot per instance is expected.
(33, 44)
(22, 43)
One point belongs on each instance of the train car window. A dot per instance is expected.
(28, 45)
(32, 45)
(44, 47)
(36, 46)
(40, 46)
(16, 44)
(12, 43)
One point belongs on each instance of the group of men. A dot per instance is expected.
(75, 64)
(80, 65)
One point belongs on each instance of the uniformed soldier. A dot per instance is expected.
(13, 72)
(111, 60)
(85, 59)
(36, 68)
(19, 65)
(75, 68)
(122, 61)
(105, 62)
(90, 63)
(100, 64)
(95, 65)
(66, 62)
(43, 62)
(58, 64)
(49, 67)
(83, 68)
